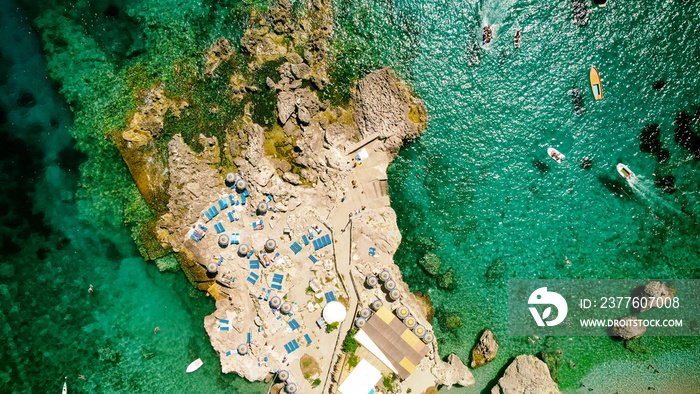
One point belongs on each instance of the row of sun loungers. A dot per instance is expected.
(293, 324)
(291, 346)
(253, 277)
(258, 225)
(313, 259)
(277, 281)
(219, 228)
(254, 264)
(322, 242)
(372, 251)
(296, 248)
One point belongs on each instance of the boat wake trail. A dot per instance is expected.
(494, 13)
(645, 189)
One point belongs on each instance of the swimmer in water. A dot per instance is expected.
(567, 261)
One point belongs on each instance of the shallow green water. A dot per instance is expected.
(52, 251)
(479, 190)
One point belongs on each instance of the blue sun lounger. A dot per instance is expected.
(330, 297)
(243, 199)
(248, 338)
(313, 259)
(308, 339)
(223, 328)
(326, 239)
(223, 204)
(306, 240)
(222, 321)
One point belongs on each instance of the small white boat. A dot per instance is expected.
(625, 171)
(65, 386)
(555, 154)
(195, 365)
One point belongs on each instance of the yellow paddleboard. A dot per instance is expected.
(595, 84)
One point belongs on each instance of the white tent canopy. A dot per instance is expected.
(362, 379)
(334, 312)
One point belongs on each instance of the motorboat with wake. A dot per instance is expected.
(555, 154)
(517, 39)
(65, 386)
(625, 171)
(195, 365)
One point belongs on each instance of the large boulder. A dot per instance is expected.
(286, 105)
(485, 350)
(447, 279)
(656, 294)
(431, 263)
(385, 106)
(628, 327)
(526, 374)
(453, 372)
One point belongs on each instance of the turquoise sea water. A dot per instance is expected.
(479, 190)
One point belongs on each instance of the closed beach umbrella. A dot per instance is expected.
(390, 285)
(224, 240)
(428, 337)
(242, 349)
(360, 322)
(419, 331)
(241, 185)
(212, 267)
(291, 388)
(270, 245)
(275, 302)
(364, 312)
(385, 276)
(243, 249)
(377, 304)
(402, 312)
(410, 322)
(283, 375)
(230, 177)
(371, 281)
(262, 207)
(286, 308)
(395, 294)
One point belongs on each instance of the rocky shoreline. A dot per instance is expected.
(303, 162)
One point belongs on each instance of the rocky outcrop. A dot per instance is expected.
(219, 52)
(656, 293)
(447, 279)
(301, 104)
(453, 372)
(628, 327)
(431, 263)
(485, 350)
(526, 374)
(384, 106)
